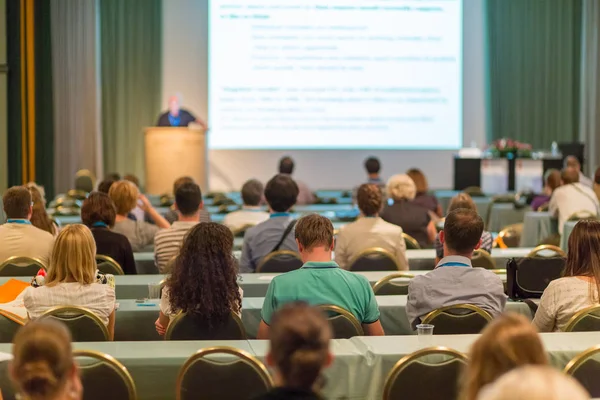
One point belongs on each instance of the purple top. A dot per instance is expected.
(539, 201)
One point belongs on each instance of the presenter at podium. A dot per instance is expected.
(178, 117)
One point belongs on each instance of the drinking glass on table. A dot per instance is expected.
(154, 290)
(425, 332)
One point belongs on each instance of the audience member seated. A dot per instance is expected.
(73, 280)
(105, 185)
(571, 197)
(580, 284)
(551, 182)
(18, 236)
(125, 195)
(413, 218)
(39, 216)
(463, 200)
(172, 215)
(137, 213)
(251, 213)
(369, 230)
(43, 367)
(298, 352)
(98, 213)
(113, 176)
(572, 162)
(505, 344)
(597, 183)
(305, 196)
(276, 233)
(167, 242)
(454, 280)
(373, 166)
(534, 383)
(423, 198)
(204, 278)
(320, 280)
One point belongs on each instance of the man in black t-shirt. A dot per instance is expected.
(178, 117)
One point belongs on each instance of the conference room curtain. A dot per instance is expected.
(589, 125)
(131, 40)
(76, 89)
(534, 69)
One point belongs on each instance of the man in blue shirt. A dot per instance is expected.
(177, 116)
(281, 193)
(321, 281)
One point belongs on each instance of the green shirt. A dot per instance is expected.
(319, 283)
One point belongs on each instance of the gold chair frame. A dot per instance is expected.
(579, 315)
(406, 360)
(543, 207)
(538, 249)
(273, 254)
(375, 250)
(110, 260)
(254, 363)
(181, 315)
(582, 214)
(114, 364)
(485, 255)
(75, 193)
(23, 260)
(413, 242)
(52, 312)
(326, 308)
(388, 279)
(241, 229)
(579, 359)
(429, 317)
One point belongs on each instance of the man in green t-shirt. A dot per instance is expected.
(321, 281)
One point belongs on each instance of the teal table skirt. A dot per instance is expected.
(505, 214)
(537, 226)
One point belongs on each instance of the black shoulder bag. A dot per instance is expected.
(286, 233)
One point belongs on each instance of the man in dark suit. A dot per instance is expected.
(177, 116)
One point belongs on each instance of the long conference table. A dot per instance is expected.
(359, 368)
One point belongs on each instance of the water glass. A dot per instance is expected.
(425, 332)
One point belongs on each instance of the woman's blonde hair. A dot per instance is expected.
(534, 383)
(419, 179)
(39, 216)
(125, 196)
(43, 359)
(506, 343)
(401, 186)
(73, 256)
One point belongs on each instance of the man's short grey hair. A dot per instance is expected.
(401, 186)
(252, 192)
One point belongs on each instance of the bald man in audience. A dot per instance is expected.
(572, 198)
(573, 162)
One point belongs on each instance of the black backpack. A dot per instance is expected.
(527, 278)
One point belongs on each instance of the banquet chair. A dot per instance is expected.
(107, 265)
(374, 259)
(241, 231)
(460, 319)
(386, 286)
(104, 377)
(77, 194)
(510, 235)
(582, 214)
(586, 320)
(411, 242)
(428, 374)
(585, 367)
(21, 266)
(85, 180)
(343, 323)
(223, 373)
(474, 191)
(280, 261)
(187, 326)
(8, 326)
(482, 259)
(547, 250)
(85, 326)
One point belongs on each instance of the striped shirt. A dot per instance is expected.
(167, 243)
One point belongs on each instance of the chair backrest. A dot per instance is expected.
(187, 326)
(85, 180)
(585, 367)
(103, 377)
(458, 319)
(374, 259)
(84, 325)
(510, 236)
(547, 250)
(107, 265)
(392, 286)
(582, 214)
(343, 322)
(482, 259)
(241, 231)
(586, 320)
(8, 327)
(21, 266)
(474, 191)
(222, 373)
(431, 373)
(77, 194)
(280, 261)
(411, 242)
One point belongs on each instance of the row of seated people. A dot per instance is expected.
(507, 362)
(204, 278)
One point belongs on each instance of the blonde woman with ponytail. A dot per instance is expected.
(299, 352)
(43, 366)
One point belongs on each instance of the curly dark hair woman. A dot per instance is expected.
(204, 278)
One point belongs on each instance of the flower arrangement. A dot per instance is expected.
(509, 148)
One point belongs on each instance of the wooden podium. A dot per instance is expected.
(172, 153)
